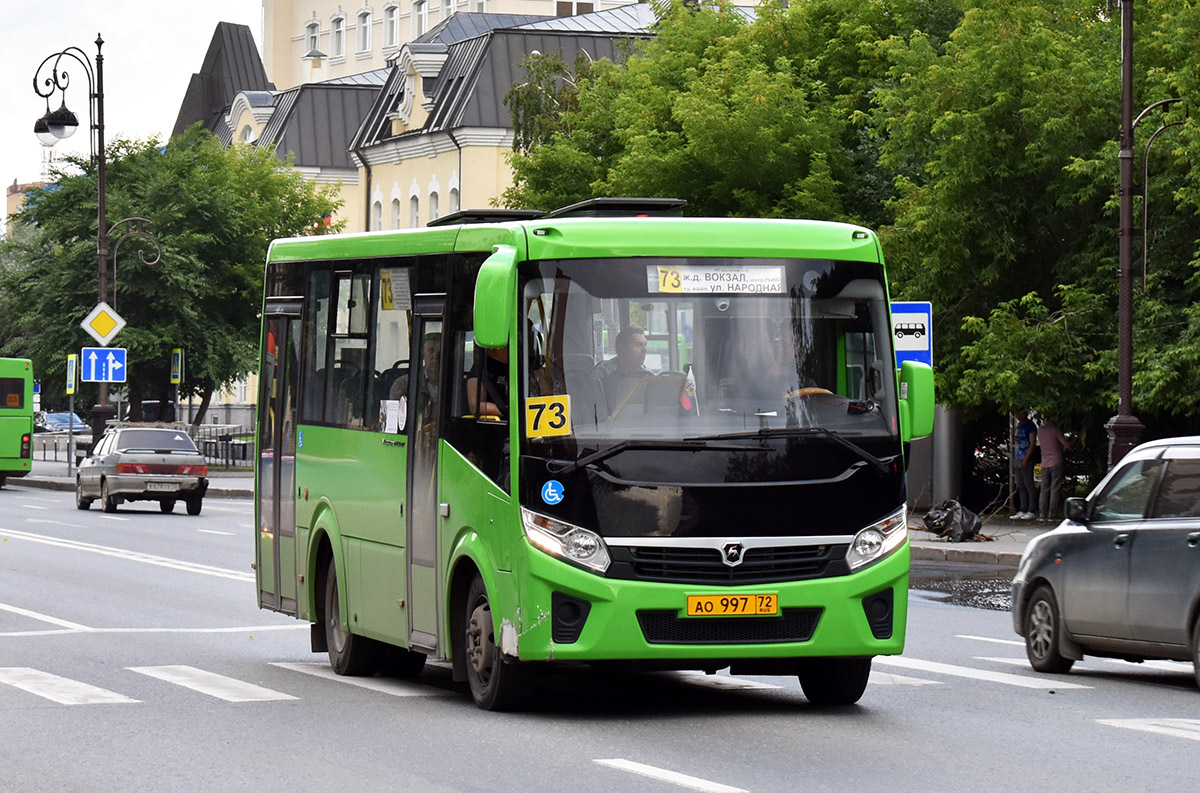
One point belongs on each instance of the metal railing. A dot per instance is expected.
(228, 445)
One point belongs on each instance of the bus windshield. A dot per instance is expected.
(669, 349)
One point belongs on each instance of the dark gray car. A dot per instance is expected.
(1120, 577)
(133, 463)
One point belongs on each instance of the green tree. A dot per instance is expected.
(213, 211)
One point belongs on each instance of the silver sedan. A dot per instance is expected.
(143, 464)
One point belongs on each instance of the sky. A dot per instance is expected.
(151, 49)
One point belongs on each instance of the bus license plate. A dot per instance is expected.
(754, 605)
(163, 487)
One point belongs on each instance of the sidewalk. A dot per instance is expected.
(1005, 550)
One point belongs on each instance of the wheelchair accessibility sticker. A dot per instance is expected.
(553, 492)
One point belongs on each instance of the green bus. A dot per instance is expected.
(607, 433)
(16, 417)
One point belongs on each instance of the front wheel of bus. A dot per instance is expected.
(496, 684)
(833, 681)
(349, 655)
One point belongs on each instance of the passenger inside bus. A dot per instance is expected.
(487, 384)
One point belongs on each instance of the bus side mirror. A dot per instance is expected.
(495, 298)
(916, 400)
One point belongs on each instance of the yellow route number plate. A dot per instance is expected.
(756, 605)
(547, 416)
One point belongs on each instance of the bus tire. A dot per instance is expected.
(833, 681)
(109, 501)
(351, 655)
(496, 683)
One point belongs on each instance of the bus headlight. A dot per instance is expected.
(878, 540)
(566, 541)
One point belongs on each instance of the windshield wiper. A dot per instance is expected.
(879, 465)
(686, 445)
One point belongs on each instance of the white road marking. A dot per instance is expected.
(114, 517)
(59, 689)
(70, 626)
(1163, 666)
(888, 679)
(975, 674)
(133, 556)
(725, 682)
(674, 777)
(383, 685)
(1176, 728)
(32, 506)
(214, 685)
(248, 630)
(1012, 642)
(221, 533)
(56, 523)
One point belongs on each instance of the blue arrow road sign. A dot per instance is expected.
(103, 365)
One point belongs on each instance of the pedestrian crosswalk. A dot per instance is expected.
(917, 672)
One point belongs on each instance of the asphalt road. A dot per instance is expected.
(133, 658)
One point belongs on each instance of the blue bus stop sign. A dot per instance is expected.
(912, 332)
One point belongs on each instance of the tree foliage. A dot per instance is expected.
(212, 210)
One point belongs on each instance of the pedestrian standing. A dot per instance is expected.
(1024, 458)
(1053, 445)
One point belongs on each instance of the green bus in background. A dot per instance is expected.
(16, 417)
(604, 433)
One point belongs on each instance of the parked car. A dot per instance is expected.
(143, 464)
(1120, 577)
(58, 422)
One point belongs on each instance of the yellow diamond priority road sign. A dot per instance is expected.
(103, 324)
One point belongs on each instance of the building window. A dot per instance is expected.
(376, 216)
(420, 14)
(414, 212)
(364, 31)
(479, 6)
(337, 36)
(247, 134)
(447, 9)
(395, 213)
(433, 206)
(312, 37)
(391, 26)
(569, 8)
(454, 200)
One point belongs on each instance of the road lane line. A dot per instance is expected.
(1021, 681)
(1176, 728)
(383, 685)
(889, 679)
(59, 689)
(674, 777)
(210, 683)
(133, 556)
(221, 533)
(1012, 642)
(248, 630)
(32, 506)
(724, 682)
(56, 523)
(72, 626)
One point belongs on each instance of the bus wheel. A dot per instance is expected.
(833, 681)
(496, 684)
(348, 654)
(109, 501)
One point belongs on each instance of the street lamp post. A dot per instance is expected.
(1124, 430)
(52, 76)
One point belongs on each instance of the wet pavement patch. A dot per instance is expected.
(974, 586)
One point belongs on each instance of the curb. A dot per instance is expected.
(938, 554)
(54, 484)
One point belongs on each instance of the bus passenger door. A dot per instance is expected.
(425, 430)
(276, 473)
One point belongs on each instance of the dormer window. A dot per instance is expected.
(420, 14)
(447, 9)
(364, 30)
(312, 36)
(569, 8)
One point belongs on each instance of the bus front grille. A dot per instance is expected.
(678, 565)
(667, 627)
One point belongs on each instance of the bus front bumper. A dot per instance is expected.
(566, 613)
